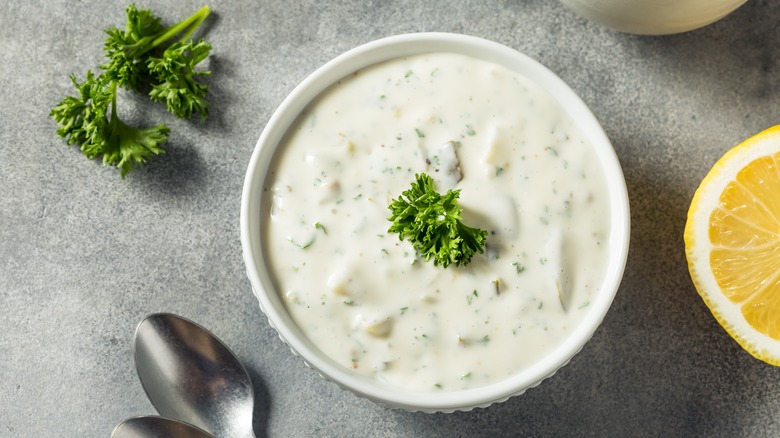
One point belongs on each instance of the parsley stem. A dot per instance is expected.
(194, 21)
(113, 99)
(202, 14)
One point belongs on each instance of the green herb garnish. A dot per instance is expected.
(141, 57)
(432, 224)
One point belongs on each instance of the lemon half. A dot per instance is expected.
(732, 243)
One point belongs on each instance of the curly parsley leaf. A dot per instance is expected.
(90, 120)
(176, 79)
(432, 224)
(125, 49)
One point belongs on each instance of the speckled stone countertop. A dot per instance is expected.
(85, 255)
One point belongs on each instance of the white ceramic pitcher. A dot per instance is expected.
(653, 17)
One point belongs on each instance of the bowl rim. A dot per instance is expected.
(408, 45)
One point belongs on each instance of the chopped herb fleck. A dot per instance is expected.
(304, 246)
(321, 227)
(420, 134)
(470, 130)
(518, 267)
(404, 309)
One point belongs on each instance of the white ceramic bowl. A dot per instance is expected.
(654, 17)
(385, 49)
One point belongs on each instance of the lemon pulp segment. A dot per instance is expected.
(745, 234)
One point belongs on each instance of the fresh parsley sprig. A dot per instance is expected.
(432, 224)
(87, 121)
(140, 57)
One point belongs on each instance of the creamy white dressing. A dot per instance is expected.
(526, 175)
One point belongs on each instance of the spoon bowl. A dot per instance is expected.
(190, 375)
(157, 427)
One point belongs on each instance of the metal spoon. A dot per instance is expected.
(157, 427)
(190, 375)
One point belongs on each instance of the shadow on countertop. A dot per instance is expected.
(262, 403)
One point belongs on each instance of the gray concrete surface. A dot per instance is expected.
(84, 255)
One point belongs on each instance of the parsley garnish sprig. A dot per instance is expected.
(140, 57)
(432, 223)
